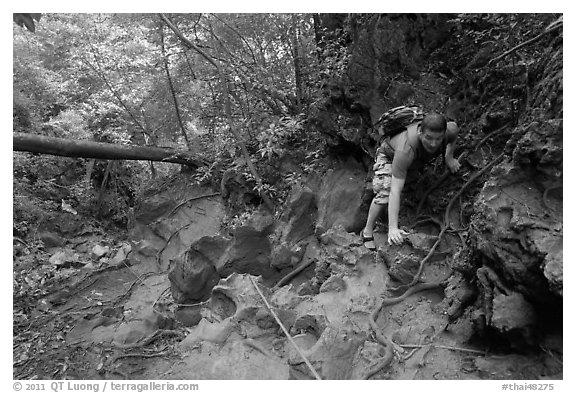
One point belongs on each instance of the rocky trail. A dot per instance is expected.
(204, 284)
(182, 299)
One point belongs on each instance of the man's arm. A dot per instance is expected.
(395, 235)
(451, 136)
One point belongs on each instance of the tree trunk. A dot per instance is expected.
(228, 110)
(171, 86)
(107, 151)
(296, 59)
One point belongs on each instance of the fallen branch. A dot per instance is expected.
(288, 336)
(293, 273)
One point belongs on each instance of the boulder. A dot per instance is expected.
(283, 256)
(99, 251)
(121, 255)
(51, 239)
(340, 199)
(64, 257)
(333, 284)
(249, 252)
(299, 215)
(512, 314)
(404, 268)
(338, 236)
(193, 274)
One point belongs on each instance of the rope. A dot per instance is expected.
(285, 331)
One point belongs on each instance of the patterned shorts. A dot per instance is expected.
(382, 177)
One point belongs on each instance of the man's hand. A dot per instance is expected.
(396, 236)
(453, 164)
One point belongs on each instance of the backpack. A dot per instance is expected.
(395, 120)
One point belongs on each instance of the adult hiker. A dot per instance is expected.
(409, 149)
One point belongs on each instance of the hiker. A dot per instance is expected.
(410, 149)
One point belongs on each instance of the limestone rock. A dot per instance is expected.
(51, 239)
(332, 355)
(554, 272)
(217, 332)
(404, 268)
(193, 275)
(283, 256)
(99, 251)
(189, 316)
(299, 215)
(340, 200)
(249, 252)
(333, 284)
(121, 255)
(513, 312)
(64, 257)
(236, 296)
(338, 236)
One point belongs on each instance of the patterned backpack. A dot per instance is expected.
(395, 120)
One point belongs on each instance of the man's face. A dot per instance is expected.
(431, 140)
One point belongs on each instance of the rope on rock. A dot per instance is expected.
(284, 330)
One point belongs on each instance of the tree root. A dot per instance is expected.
(149, 339)
(388, 344)
(385, 361)
(446, 173)
(553, 26)
(178, 206)
(446, 225)
(293, 273)
(490, 135)
(418, 346)
(159, 254)
(137, 355)
(423, 286)
(426, 219)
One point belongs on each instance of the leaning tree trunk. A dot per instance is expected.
(106, 151)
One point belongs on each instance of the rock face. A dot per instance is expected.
(385, 55)
(517, 229)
